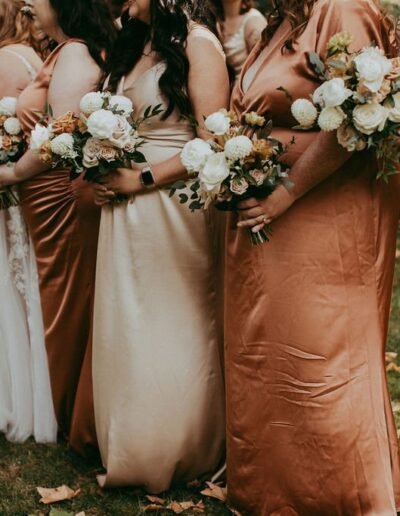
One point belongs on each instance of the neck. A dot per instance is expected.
(58, 35)
(232, 9)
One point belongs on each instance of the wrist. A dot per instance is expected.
(147, 178)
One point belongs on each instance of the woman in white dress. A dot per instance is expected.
(26, 406)
(241, 26)
(157, 374)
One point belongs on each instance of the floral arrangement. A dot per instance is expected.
(103, 137)
(359, 99)
(12, 144)
(239, 161)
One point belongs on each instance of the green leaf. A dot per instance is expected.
(179, 185)
(183, 198)
(317, 63)
(286, 92)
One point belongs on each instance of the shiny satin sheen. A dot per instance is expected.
(310, 427)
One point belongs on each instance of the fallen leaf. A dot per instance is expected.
(152, 507)
(199, 507)
(80, 514)
(56, 494)
(59, 512)
(156, 500)
(390, 356)
(393, 367)
(214, 491)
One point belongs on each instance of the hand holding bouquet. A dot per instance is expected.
(12, 144)
(239, 161)
(103, 137)
(359, 99)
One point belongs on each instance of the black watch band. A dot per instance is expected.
(147, 178)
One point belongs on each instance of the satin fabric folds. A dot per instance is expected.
(63, 222)
(310, 427)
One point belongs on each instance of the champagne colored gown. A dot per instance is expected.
(309, 422)
(63, 222)
(158, 388)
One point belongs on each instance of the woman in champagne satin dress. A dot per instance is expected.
(310, 426)
(157, 373)
(61, 215)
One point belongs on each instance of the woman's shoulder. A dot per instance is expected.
(359, 7)
(203, 38)
(254, 13)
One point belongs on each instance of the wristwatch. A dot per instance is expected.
(147, 178)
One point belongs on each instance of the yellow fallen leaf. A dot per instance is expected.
(199, 507)
(393, 367)
(178, 507)
(57, 494)
(156, 500)
(153, 507)
(214, 491)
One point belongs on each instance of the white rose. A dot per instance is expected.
(102, 124)
(304, 112)
(121, 104)
(63, 145)
(194, 154)
(238, 147)
(122, 133)
(214, 172)
(8, 106)
(394, 112)
(369, 118)
(12, 126)
(217, 123)
(332, 93)
(372, 67)
(39, 136)
(1, 142)
(92, 102)
(331, 118)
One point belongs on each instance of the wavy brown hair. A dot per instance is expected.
(219, 8)
(18, 28)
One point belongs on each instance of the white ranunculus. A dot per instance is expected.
(331, 118)
(304, 112)
(372, 66)
(12, 126)
(123, 132)
(238, 147)
(369, 118)
(318, 95)
(63, 145)
(8, 106)
(39, 136)
(92, 102)
(102, 124)
(194, 154)
(214, 172)
(122, 104)
(217, 123)
(334, 93)
(394, 112)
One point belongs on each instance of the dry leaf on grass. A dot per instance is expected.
(390, 356)
(56, 494)
(156, 500)
(175, 507)
(80, 514)
(214, 491)
(152, 507)
(393, 367)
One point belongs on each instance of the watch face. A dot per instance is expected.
(147, 177)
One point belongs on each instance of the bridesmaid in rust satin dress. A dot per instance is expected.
(61, 215)
(310, 426)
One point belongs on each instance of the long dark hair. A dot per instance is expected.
(91, 21)
(168, 32)
(219, 8)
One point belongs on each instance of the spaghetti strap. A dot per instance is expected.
(31, 70)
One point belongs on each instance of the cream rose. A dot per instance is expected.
(39, 136)
(121, 104)
(12, 126)
(1, 143)
(91, 151)
(369, 118)
(194, 154)
(214, 172)
(103, 124)
(333, 93)
(239, 187)
(304, 112)
(218, 123)
(350, 139)
(331, 118)
(8, 106)
(372, 66)
(122, 135)
(394, 111)
(92, 102)
(258, 176)
(63, 145)
(109, 153)
(238, 147)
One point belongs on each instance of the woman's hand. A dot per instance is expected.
(7, 176)
(123, 181)
(257, 213)
(102, 195)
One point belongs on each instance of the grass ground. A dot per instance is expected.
(25, 467)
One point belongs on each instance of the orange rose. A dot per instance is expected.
(67, 123)
(45, 153)
(7, 143)
(263, 148)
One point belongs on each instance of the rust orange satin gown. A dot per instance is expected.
(310, 427)
(63, 222)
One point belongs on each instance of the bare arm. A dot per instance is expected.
(12, 84)
(74, 75)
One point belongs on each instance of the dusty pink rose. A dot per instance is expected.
(258, 176)
(239, 187)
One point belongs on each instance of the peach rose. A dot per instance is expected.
(258, 176)
(239, 187)
(108, 153)
(263, 148)
(67, 123)
(350, 139)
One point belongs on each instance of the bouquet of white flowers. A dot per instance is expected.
(359, 99)
(103, 137)
(239, 161)
(12, 144)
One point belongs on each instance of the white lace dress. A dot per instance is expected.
(26, 406)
